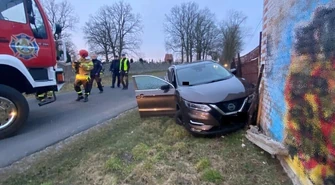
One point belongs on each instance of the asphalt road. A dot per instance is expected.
(57, 121)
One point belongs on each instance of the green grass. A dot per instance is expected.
(203, 164)
(153, 151)
(211, 175)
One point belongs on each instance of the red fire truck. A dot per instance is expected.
(28, 60)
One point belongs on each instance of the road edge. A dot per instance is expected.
(26, 163)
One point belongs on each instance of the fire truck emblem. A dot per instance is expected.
(24, 46)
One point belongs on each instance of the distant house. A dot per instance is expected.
(168, 58)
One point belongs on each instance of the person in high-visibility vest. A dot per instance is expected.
(82, 68)
(124, 70)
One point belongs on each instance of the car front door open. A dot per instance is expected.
(154, 96)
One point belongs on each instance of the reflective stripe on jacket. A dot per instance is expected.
(83, 66)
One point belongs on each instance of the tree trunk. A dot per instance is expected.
(233, 64)
(187, 54)
(182, 54)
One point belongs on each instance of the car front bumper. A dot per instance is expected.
(215, 121)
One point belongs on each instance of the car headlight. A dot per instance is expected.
(251, 97)
(196, 106)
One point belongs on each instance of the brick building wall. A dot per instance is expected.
(297, 49)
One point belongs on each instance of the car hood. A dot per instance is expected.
(225, 90)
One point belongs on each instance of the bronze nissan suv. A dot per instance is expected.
(202, 96)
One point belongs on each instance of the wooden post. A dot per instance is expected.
(254, 104)
(260, 72)
(239, 66)
(260, 106)
(260, 51)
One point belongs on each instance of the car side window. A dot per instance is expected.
(149, 82)
(13, 11)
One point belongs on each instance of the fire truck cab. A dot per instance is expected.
(28, 60)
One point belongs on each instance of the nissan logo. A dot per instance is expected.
(231, 106)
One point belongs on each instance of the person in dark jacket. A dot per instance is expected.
(95, 73)
(115, 69)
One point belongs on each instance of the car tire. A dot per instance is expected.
(178, 117)
(14, 97)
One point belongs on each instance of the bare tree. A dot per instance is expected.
(179, 29)
(114, 29)
(191, 14)
(175, 35)
(62, 13)
(190, 30)
(232, 35)
(128, 27)
(98, 31)
(205, 33)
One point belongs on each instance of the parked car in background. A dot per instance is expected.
(202, 96)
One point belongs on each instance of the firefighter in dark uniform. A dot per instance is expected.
(96, 72)
(124, 70)
(82, 68)
(115, 70)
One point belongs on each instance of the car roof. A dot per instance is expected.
(195, 63)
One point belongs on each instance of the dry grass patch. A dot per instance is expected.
(153, 151)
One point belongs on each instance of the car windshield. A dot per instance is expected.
(202, 74)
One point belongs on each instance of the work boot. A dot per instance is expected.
(86, 98)
(79, 98)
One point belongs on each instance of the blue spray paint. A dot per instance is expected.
(282, 57)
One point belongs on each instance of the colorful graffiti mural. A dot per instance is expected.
(303, 70)
(310, 98)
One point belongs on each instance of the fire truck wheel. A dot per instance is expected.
(14, 110)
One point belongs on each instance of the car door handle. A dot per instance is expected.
(142, 96)
(139, 96)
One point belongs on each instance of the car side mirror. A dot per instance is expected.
(165, 88)
(234, 71)
(57, 29)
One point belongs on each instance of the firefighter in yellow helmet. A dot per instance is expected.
(82, 68)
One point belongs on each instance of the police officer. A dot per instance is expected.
(115, 70)
(83, 68)
(95, 73)
(124, 70)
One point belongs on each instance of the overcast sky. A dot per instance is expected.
(153, 14)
